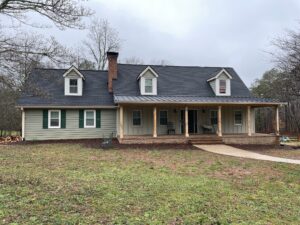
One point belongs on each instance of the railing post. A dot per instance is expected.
(220, 121)
(277, 120)
(249, 120)
(186, 122)
(154, 122)
(121, 122)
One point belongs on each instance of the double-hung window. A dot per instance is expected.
(222, 86)
(238, 117)
(213, 117)
(73, 86)
(163, 117)
(136, 118)
(148, 85)
(54, 119)
(89, 118)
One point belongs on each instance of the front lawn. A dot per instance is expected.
(72, 184)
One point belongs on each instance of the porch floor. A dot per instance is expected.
(256, 138)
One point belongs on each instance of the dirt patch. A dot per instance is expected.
(96, 144)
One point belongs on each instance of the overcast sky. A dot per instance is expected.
(229, 33)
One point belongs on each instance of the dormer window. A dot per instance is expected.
(222, 86)
(148, 85)
(221, 83)
(73, 86)
(73, 82)
(148, 81)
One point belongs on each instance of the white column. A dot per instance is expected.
(154, 122)
(277, 120)
(249, 120)
(23, 123)
(121, 122)
(186, 121)
(220, 121)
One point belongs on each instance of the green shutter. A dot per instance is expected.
(63, 118)
(98, 118)
(45, 118)
(81, 118)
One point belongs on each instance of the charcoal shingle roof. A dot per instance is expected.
(46, 88)
(176, 80)
(179, 84)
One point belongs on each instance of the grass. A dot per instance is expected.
(72, 184)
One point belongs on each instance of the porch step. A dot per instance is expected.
(206, 140)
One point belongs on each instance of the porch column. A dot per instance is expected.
(249, 120)
(186, 121)
(277, 120)
(154, 122)
(121, 122)
(23, 124)
(220, 121)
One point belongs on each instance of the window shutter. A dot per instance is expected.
(81, 118)
(45, 118)
(98, 118)
(63, 119)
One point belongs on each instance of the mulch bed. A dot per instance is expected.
(96, 143)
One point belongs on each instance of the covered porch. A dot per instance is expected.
(192, 123)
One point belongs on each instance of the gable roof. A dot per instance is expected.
(176, 80)
(73, 68)
(219, 74)
(46, 88)
(148, 68)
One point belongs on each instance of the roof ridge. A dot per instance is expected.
(219, 67)
(40, 68)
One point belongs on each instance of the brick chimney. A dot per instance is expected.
(112, 69)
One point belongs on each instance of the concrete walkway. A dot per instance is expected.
(228, 150)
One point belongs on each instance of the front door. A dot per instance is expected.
(192, 121)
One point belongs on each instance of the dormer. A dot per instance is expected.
(221, 83)
(73, 82)
(148, 81)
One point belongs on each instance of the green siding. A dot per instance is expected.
(34, 129)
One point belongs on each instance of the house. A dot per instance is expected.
(143, 104)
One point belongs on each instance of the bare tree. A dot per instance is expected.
(101, 39)
(64, 13)
(162, 62)
(133, 60)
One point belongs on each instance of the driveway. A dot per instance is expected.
(232, 151)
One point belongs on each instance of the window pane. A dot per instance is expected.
(163, 117)
(148, 85)
(54, 115)
(136, 118)
(73, 82)
(89, 122)
(73, 89)
(238, 117)
(90, 114)
(222, 86)
(54, 123)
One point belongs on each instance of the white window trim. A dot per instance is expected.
(228, 88)
(89, 110)
(238, 124)
(49, 118)
(76, 93)
(163, 110)
(141, 118)
(143, 86)
(152, 81)
(79, 87)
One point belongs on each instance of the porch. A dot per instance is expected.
(257, 138)
(231, 124)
